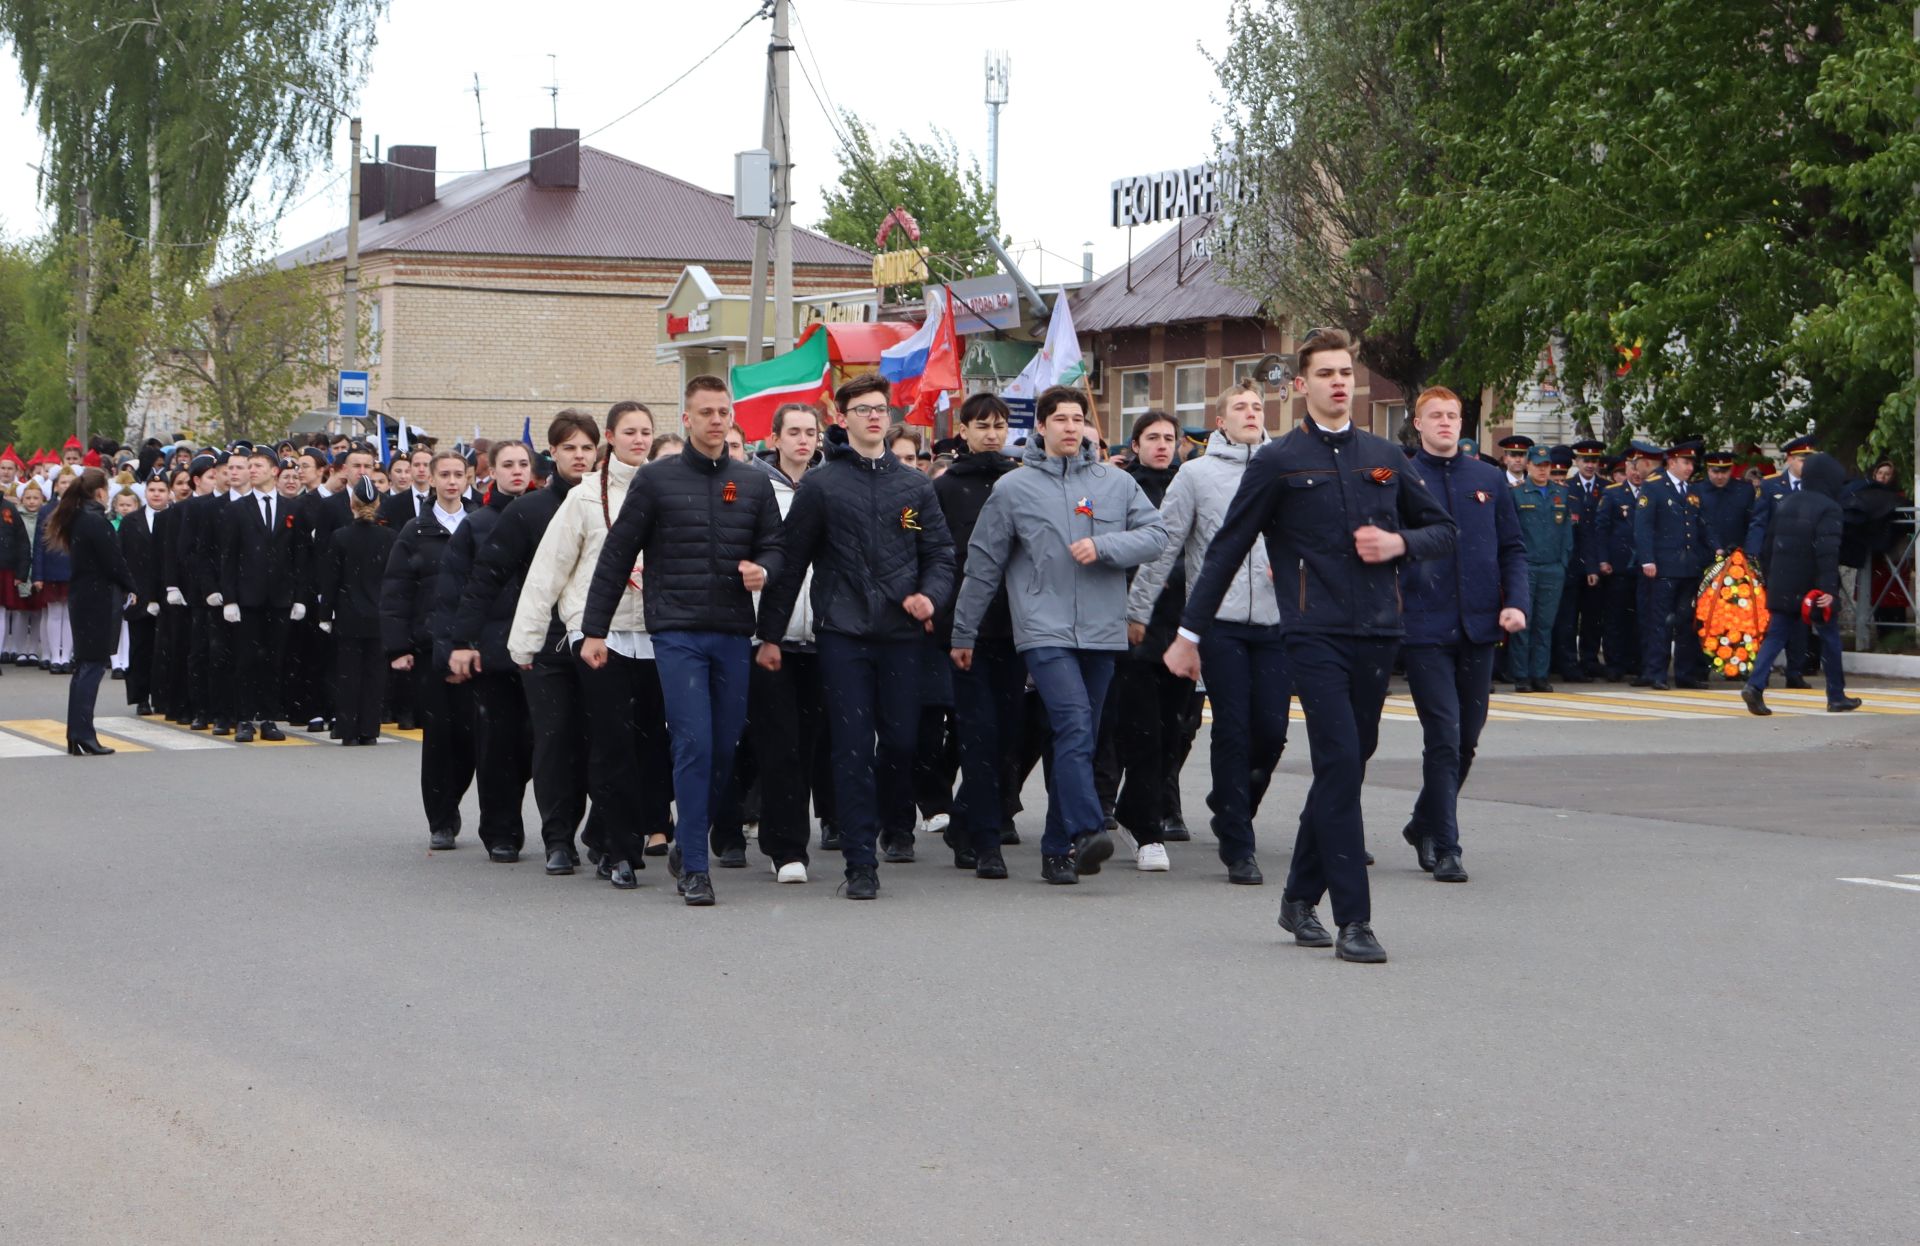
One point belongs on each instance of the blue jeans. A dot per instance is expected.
(1342, 683)
(1073, 686)
(703, 680)
(1780, 629)
(1532, 649)
(872, 692)
(1247, 685)
(1450, 686)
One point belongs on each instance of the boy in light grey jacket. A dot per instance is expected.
(1062, 533)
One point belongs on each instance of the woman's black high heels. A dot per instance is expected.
(87, 748)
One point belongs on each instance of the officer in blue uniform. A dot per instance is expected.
(1770, 493)
(1728, 504)
(1619, 577)
(1670, 540)
(1576, 631)
(1546, 527)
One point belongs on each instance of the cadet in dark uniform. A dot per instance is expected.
(352, 569)
(1770, 493)
(1728, 504)
(1548, 534)
(1670, 540)
(1513, 457)
(1577, 632)
(263, 567)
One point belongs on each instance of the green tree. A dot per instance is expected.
(38, 289)
(248, 349)
(948, 198)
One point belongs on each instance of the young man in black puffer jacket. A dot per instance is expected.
(707, 525)
(885, 564)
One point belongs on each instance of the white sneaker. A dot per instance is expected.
(1151, 859)
(792, 872)
(937, 823)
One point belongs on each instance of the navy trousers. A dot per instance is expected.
(1450, 686)
(1668, 628)
(872, 689)
(1342, 683)
(1246, 672)
(989, 714)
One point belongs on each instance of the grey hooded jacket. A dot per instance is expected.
(1193, 509)
(1025, 530)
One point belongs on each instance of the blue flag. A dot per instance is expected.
(380, 436)
(526, 432)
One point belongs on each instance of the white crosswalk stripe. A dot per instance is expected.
(158, 735)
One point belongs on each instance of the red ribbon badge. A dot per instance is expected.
(1382, 475)
(1481, 495)
(729, 493)
(1082, 508)
(289, 523)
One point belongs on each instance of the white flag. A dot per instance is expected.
(1059, 361)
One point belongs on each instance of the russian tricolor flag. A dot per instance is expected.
(928, 363)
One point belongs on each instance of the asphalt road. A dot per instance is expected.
(240, 1002)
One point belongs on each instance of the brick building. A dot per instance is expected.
(1163, 331)
(510, 294)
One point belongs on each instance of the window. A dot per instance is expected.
(1134, 388)
(1190, 395)
(1243, 370)
(1389, 418)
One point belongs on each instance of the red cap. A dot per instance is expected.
(8, 456)
(90, 459)
(73, 443)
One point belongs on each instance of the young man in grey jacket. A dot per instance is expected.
(1061, 533)
(1243, 654)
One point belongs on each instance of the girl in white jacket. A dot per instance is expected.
(629, 769)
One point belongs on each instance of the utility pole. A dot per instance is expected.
(82, 315)
(762, 238)
(783, 174)
(350, 298)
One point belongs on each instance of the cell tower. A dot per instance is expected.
(999, 70)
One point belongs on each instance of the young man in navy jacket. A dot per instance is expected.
(1456, 606)
(1339, 511)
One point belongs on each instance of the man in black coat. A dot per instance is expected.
(1339, 512)
(329, 509)
(209, 656)
(884, 562)
(1801, 564)
(264, 549)
(140, 536)
(707, 525)
(551, 685)
(412, 502)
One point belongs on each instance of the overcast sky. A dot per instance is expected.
(1100, 89)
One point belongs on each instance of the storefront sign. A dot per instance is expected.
(1166, 196)
(696, 322)
(983, 303)
(899, 268)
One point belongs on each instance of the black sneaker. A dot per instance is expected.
(1246, 872)
(1009, 834)
(830, 838)
(1174, 831)
(242, 733)
(441, 841)
(673, 859)
(620, 874)
(1357, 944)
(732, 859)
(896, 848)
(1090, 851)
(270, 730)
(994, 866)
(316, 725)
(697, 888)
(863, 882)
(1059, 871)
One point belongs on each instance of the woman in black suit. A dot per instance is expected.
(99, 589)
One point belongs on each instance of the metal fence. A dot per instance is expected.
(1883, 591)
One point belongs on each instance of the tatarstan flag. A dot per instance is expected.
(759, 388)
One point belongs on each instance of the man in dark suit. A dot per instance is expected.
(410, 503)
(327, 509)
(197, 559)
(263, 559)
(139, 537)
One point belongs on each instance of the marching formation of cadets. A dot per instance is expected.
(658, 632)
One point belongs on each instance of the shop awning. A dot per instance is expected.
(859, 343)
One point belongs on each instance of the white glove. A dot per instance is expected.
(299, 611)
(326, 625)
(176, 598)
(214, 599)
(24, 588)
(153, 609)
(231, 614)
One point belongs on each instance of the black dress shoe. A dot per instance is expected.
(270, 730)
(674, 859)
(1527, 687)
(604, 870)
(1798, 681)
(1692, 685)
(732, 859)
(87, 748)
(1756, 701)
(1657, 686)
(620, 874)
(1297, 919)
(242, 734)
(1246, 872)
(369, 739)
(1638, 682)
(1174, 831)
(1422, 846)
(406, 724)
(503, 855)
(994, 866)
(965, 859)
(559, 862)
(1843, 705)
(896, 848)
(144, 709)
(697, 890)
(316, 725)
(657, 850)
(1009, 834)
(1449, 870)
(1090, 851)
(1059, 871)
(441, 841)
(198, 724)
(1357, 944)
(863, 882)
(1541, 685)
(830, 840)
